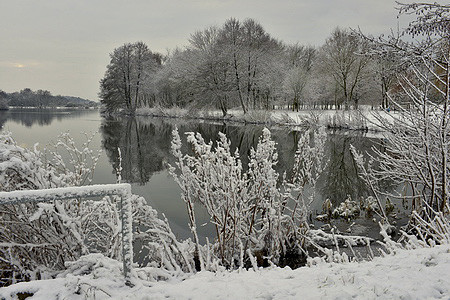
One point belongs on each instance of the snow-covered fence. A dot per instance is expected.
(83, 192)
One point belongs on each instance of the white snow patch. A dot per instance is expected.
(409, 274)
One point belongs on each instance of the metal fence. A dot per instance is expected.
(84, 192)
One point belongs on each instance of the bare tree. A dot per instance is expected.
(214, 72)
(231, 39)
(418, 135)
(299, 63)
(254, 57)
(343, 59)
(130, 66)
(387, 67)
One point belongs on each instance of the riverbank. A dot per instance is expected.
(364, 119)
(408, 274)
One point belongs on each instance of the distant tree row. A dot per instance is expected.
(40, 99)
(240, 65)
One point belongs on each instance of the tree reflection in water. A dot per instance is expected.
(341, 175)
(145, 147)
(40, 117)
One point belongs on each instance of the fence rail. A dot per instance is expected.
(122, 190)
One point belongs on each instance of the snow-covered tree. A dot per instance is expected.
(416, 152)
(130, 67)
(342, 58)
(299, 63)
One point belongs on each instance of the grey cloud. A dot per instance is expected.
(70, 40)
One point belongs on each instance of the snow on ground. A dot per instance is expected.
(409, 274)
(363, 118)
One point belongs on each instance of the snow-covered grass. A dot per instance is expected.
(408, 274)
(159, 111)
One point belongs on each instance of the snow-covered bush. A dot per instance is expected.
(213, 178)
(160, 111)
(284, 118)
(258, 219)
(312, 118)
(371, 206)
(258, 117)
(415, 149)
(75, 164)
(21, 168)
(348, 209)
(44, 235)
(153, 239)
(38, 239)
(347, 120)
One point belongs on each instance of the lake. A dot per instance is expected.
(145, 147)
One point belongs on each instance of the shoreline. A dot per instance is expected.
(351, 120)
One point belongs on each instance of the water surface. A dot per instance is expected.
(145, 147)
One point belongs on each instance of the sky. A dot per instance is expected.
(63, 45)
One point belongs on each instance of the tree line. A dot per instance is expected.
(241, 65)
(40, 99)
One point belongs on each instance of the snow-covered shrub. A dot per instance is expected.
(75, 164)
(160, 111)
(258, 117)
(415, 150)
(283, 118)
(352, 119)
(38, 239)
(257, 218)
(327, 207)
(348, 209)
(154, 239)
(312, 118)
(22, 168)
(43, 235)
(213, 178)
(308, 166)
(371, 206)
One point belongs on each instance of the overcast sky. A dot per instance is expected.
(63, 45)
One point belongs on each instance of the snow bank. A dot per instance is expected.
(362, 119)
(409, 274)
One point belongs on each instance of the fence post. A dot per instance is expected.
(127, 237)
